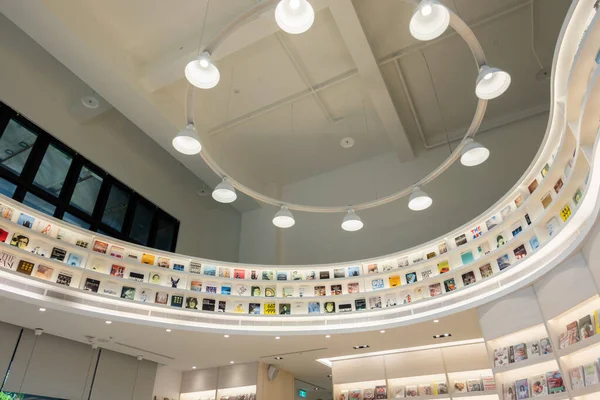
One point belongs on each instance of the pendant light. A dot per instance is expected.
(284, 218)
(473, 154)
(430, 20)
(202, 72)
(224, 192)
(419, 200)
(187, 141)
(491, 82)
(294, 16)
(352, 222)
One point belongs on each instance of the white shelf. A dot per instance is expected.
(524, 364)
(585, 391)
(579, 346)
(474, 394)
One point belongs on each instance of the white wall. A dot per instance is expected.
(38, 86)
(459, 195)
(167, 383)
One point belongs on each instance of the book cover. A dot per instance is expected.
(369, 394)
(287, 292)
(136, 276)
(3, 235)
(441, 387)
(207, 304)
(375, 302)
(577, 197)
(336, 290)
(515, 230)
(491, 223)
(520, 252)
(563, 340)
(360, 304)
(508, 388)
(486, 271)
(155, 278)
(239, 273)
(323, 274)
(552, 226)
(403, 261)
(116, 251)
(522, 388)
(329, 307)
(426, 274)
(74, 260)
(573, 332)
(558, 185)
(226, 290)
(6, 212)
(442, 248)
(372, 269)
(545, 346)
(224, 272)
(391, 300)
(501, 357)
(268, 275)
(565, 213)
(64, 278)
(467, 257)
(343, 395)
(533, 348)
(356, 394)
(314, 307)
(91, 285)
(546, 200)
(538, 385)
(254, 308)
(339, 273)
(519, 201)
(590, 372)
(503, 262)
(449, 285)
(58, 254)
(489, 383)
(7, 260)
(460, 386)
(435, 289)
(311, 275)
(195, 268)
(25, 267)
(345, 307)
(100, 246)
(534, 243)
(128, 293)
(178, 267)
(353, 271)
(555, 382)
(255, 291)
(577, 377)
(222, 305)
(298, 276)
(161, 298)
(586, 327)
(532, 186)
(282, 276)
(284, 308)
(474, 385)
(431, 254)
(381, 392)
(44, 272)
(511, 354)
(26, 220)
(174, 282)
(117, 271)
(520, 351)
(270, 291)
(411, 277)
(191, 303)
(320, 291)
(505, 212)
(596, 319)
(111, 288)
(210, 270)
(412, 391)
(394, 281)
(468, 278)
(425, 389)
(269, 309)
(196, 286)
(148, 259)
(443, 267)
(476, 232)
(460, 240)
(211, 287)
(377, 284)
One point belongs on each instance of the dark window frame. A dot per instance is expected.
(62, 202)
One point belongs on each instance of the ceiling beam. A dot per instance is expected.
(346, 18)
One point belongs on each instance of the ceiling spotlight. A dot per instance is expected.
(168, 330)
(443, 335)
(108, 322)
(352, 222)
(430, 20)
(327, 336)
(284, 218)
(42, 309)
(361, 346)
(491, 82)
(202, 72)
(277, 338)
(294, 16)
(193, 367)
(473, 154)
(419, 200)
(187, 141)
(225, 336)
(224, 192)
(435, 321)
(329, 376)
(279, 358)
(231, 362)
(382, 331)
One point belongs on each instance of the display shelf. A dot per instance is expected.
(593, 390)
(489, 395)
(203, 395)
(592, 343)
(526, 365)
(236, 391)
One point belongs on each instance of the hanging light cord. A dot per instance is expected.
(533, 36)
(28, 362)
(203, 26)
(137, 370)
(87, 376)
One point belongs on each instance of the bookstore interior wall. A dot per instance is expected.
(114, 143)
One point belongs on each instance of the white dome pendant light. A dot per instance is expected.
(187, 141)
(430, 20)
(202, 72)
(284, 218)
(491, 82)
(474, 153)
(294, 16)
(224, 192)
(419, 200)
(352, 222)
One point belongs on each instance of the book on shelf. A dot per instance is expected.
(577, 377)
(586, 327)
(545, 346)
(44, 272)
(372, 269)
(376, 284)
(285, 308)
(128, 293)
(555, 382)
(398, 392)
(441, 387)
(64, 278)
(353, 271)
(460, 386)
(343, 395)
(375, 302)
(381, 392)
(474, 385)
(435, 289)
(505, 212)
(355, 394)
(590, 373)
(91, 285)
(329, 307)
(573, 332)
(511, 354)
(552, 226)
(522, 389)
(468, 278)
(412, 391)
(538, 385)
(520, 351)
(596, 317)
(425, 389)
(501, 357)
(287, 292)
(369, 393)
(391, 300)
(353, 287)
(508, 389)
(533, 348)
(394, 281)
(489, 383)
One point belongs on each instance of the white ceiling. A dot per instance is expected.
(133, 53)
(184, 349)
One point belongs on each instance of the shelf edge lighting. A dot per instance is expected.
(473, 154)
(352, 222)
(294, 16)
(419, 200)
(491, 82)
(430, 20)
(202, 72)
(224, 192)
(187, 141)
(284, 218)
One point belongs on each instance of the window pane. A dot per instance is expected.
(7, 188)
(70, 218)
(41, 205)
(116, 206)
(86, 190)
(140, 230)
(15, 145)
(53, 170)
(165, 233)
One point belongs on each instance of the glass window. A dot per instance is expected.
(7, 188)
(86, 190)
(53, 170)
(70, 218)
(165, 231)
(15, 146)
(116, 206)
(33, 201)
(142, 220)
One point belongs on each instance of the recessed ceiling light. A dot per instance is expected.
(361, 346)
(382, 331)
(42, 309)
(347, 142)
(225, 336)
(316, 389)
(277, 338)
(193, 367)
(435, 321)
(443, 335)
(168, 330)
(231, 362)
(279, 358)
(327, 336)
(108, 322)
(329, 376)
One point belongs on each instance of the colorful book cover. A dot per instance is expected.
(6, 212)
(372, 269)
(239, 273)
(586, 327)
(558, 185)
(552, 226)
(443, 267)
(226, 290)
(298, 276)
(474, 385)
(116, 251)
(491, 223)
(577, 197)
(486, 271)
(545, 170)
(268, 275)
(74, 260)
(210, 270)
(254, 308)
(519, 200)
(269, 309)
(161, 298)
(522, 388)
(520, 252)
(577, 378)
(196, 286)
(44, 272)
(441, 388)
(508, 388)
(539, 386)
(329, 307)
(555, 382)
(394, 281)
(191, 303)
(381, 392)
(323, 274)
(369, 394)
(270, 291)
(25, 267)
(360, 304)
(320, 291)
(468, 278)
(339, 273)
(411, 277)
(255, 291)
(590, 372)
(467, 257)
(534, 243)
(355, 394)
(412, 391)
(546, 200)
(425, 389)
(460, 386)
(442, 248)
(501, 357)
(430, 255)
(449, 285)
(26, 220)
(435, 289)
(503, 262)
(224, 272)
(532, 186)
(377, 284)
(520, 352)
(353, 271)
(565, 213)
(489, 383)
(148, 259)
(314, 307)
(573, 332)
(353, 287)
(460, 240)
(91, 285)
(533, 349)
(336, 290)
(311, 275)
(128, 293)
(282, 276)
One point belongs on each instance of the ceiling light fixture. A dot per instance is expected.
(202, 72)
(435, 321)
(231, 362)
(430, 20)
(419, 200)
(108, 322)
(168, 330)
(284, 218)
(42, 309)
(491, 82)
(277, 338)
(225, 336)
(187, 141)
(361, 346)
(352, 222)
(294, 16)
(474, 153)
(443, 335)
(279, 358)
(224, 192)
(382, 331)
(327, 336)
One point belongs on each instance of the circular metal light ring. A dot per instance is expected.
(455, 22)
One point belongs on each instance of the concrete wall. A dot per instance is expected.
(35, 84)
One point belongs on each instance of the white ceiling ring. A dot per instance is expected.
(455, 22)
